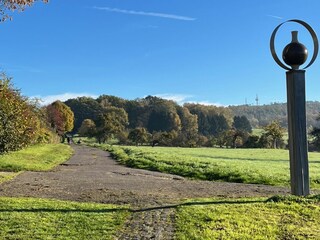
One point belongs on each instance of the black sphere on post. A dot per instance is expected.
(295, 53)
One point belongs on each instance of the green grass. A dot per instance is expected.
(35, 158)
(285, 218)
(25, 218)
(6, 176)
(259, 166)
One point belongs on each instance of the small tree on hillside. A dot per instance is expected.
(275, 133)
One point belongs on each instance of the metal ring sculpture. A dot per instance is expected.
(314, 38)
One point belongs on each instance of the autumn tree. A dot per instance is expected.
(138, 135)
(60, 117)
(20, 121)
(7, 6)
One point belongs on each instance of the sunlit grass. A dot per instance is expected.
(260, 166)
(5, 176)
(22, 218)
(35, 158)
(206, 219)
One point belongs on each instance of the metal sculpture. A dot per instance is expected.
(294, 55)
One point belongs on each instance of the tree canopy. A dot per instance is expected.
(7, 6)
(61, 117)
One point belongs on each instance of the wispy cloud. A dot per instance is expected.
(208, 103)
(184, 98)
(150, 14)
(178, 98)
(273, 16)
(45, 100)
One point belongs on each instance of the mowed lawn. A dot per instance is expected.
(41, 157)
(259, 166)
(29, 218)
(25, 218)
(274, 218)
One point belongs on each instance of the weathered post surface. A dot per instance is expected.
(295, 54)
(298, 148)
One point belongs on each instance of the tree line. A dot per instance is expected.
(262, 115)
(156, 121)
(150, 120)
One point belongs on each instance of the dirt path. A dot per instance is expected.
(91, 175)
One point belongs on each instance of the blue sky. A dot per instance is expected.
(207, 51)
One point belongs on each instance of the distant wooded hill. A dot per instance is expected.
(156, 114)
(260, 116)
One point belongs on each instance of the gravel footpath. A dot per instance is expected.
(91, 175)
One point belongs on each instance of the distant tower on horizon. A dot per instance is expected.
(257, 100)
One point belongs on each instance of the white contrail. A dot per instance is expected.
(150, 14)
(273, 16)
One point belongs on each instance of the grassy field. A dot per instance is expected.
(275, 218)
(247, 218)
(22, 218)
(25, 218)
(35, 158)
(260, 166)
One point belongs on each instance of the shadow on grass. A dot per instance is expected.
(48, 210)
(277, 198)
(198, 204)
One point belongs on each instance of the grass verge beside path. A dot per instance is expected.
(6, 176)
(258, 166)
(276, 218)
(25, 218)
(41, 157)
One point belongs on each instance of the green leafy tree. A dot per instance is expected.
(111, 123)
(88, 128)
(315, 133)
(165, 138)
(242, 123)
(212, 120)
(84, 108)
(162, 115)
(252, 142)
(139, 136)
(188, 134)
(275, 133)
